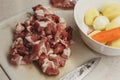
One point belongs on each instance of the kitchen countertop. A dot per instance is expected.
(107, 69)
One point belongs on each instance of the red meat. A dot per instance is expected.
(65, 4)
(44, 38)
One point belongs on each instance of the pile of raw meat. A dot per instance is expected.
(45, 38)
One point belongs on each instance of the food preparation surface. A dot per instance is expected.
(107, 69)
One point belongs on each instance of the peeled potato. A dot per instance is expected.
(115, 43)
(116, 20)
(107, 7)
(111, 11)
(90, 16)
(112, 25)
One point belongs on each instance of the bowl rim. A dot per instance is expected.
(76, 20)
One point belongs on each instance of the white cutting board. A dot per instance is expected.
(80, 52)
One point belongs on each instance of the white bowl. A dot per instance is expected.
(79, 11)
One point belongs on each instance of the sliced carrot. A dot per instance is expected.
(106, 36)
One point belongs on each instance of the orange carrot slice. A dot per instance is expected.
(106, 36)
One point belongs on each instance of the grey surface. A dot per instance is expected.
(10, 8)
(109, 67)
(3, 75)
